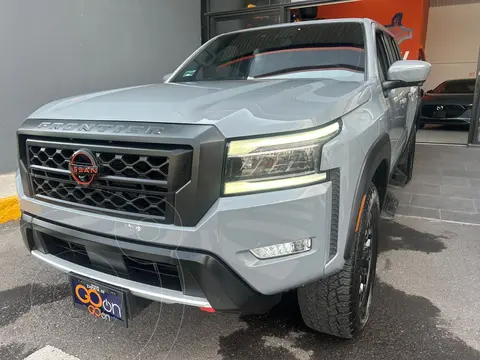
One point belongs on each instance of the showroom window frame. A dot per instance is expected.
(475, 121)
(225, 15)
(207, 31)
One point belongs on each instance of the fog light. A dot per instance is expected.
(285, 249)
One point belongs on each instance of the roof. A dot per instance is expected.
(310, 22)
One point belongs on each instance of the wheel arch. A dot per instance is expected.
(375, 168)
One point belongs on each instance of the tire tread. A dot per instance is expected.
(327, 305)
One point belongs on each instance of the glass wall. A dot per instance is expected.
(226, 5)
(225, 24)
(474, 134)
(222, 16)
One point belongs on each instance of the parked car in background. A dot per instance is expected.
(450, 103)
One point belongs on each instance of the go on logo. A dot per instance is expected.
(94, 305)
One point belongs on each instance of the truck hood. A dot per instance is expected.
(236, 108)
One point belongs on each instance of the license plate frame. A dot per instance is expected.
(113, 300)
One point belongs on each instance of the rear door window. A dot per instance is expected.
(393, 46)
(382, 56)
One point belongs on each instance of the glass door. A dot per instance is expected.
(474, 133)
(224, 23)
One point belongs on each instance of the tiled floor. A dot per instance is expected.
(443, 134)
(445, 184)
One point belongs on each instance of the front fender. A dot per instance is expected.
(380, 151)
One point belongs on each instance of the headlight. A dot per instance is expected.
(276, 162)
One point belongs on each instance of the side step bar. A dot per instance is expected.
(390, 206)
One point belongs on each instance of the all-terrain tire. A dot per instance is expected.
(334, 305)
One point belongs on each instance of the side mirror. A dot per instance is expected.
(405, 73)
(166, 77)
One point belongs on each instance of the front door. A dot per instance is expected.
(397, 99)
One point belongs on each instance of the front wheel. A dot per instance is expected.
(339, 305)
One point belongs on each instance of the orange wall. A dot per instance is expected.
(424, 20)
(414, 20)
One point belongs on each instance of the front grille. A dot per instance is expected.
(106, 197)
(163, 173)
(136, 182)
(443, 111)
(139, 270)
(68, 251)
(123, 165)
(153, 273)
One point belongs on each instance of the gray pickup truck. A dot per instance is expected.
(259, 167)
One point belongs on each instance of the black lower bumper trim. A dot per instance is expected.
(444, 121)
(200, 274)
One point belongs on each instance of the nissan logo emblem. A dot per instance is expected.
(84, 167)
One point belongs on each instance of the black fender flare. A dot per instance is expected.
(378, 152)
(416, 120)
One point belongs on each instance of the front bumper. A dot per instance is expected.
(445, 121)
(215, 252)
(464, 118)
(204, 280)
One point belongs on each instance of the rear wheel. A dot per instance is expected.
(339, 305)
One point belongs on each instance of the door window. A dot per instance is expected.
(397, 55)
(382, 56)
(388, 48)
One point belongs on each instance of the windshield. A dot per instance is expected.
(319, 51)
(456, 87)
